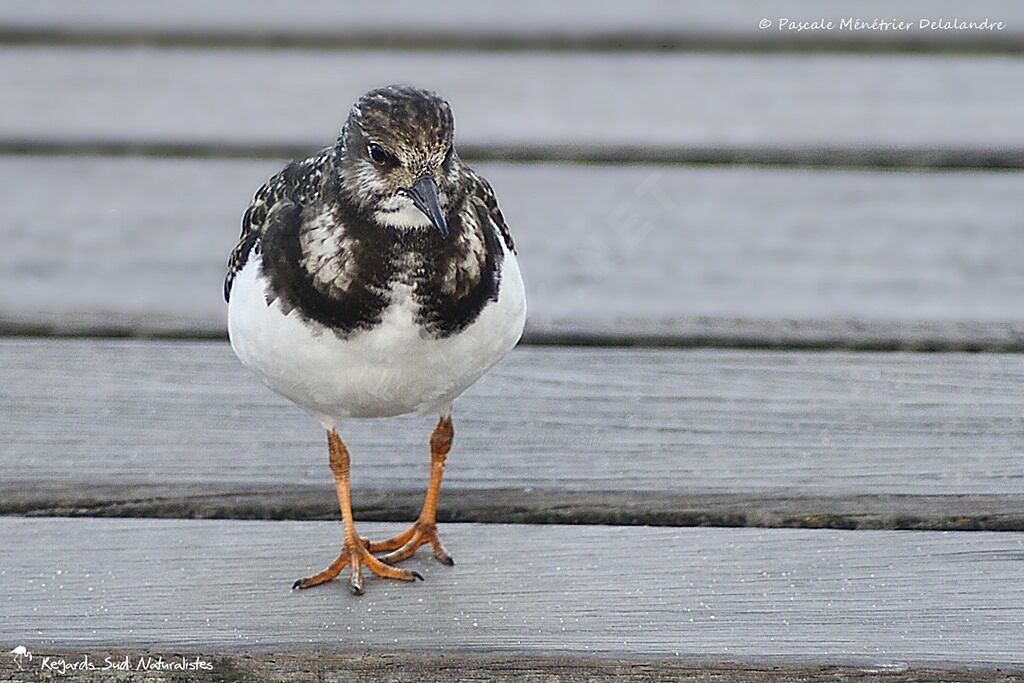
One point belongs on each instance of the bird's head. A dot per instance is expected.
(397, 159)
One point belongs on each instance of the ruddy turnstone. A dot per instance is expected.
(373, 279)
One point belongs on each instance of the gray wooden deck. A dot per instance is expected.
(552, 434)
(529, 25)
(867, 598)
(665, 106)
(754, 256)
(812, 499)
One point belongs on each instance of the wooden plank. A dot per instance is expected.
(646, 24)
(559, 102)
(878, 599)
(744, 257)
(551, 435)
(330, 667)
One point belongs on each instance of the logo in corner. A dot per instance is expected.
(21, 654)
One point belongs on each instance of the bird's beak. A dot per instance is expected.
(424, 195)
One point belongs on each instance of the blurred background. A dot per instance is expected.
(676, 175)
(673, 172)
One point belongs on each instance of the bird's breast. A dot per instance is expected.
(393, 367)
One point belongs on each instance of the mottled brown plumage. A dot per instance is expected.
(415, 126)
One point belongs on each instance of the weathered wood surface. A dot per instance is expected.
(871, 598)
(646, 24)
(749, 257)
(402, 667)
(552, 434)
(551, 102)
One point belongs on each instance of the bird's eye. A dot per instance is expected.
(381, 156)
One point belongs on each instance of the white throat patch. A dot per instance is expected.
(400, 212)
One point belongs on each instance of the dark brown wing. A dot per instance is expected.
(299, 182)
(482, 192)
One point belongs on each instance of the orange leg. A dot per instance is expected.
(354, 552)
(424, 531)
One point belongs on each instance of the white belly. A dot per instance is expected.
(388, 370)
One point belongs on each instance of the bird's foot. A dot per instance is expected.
(404, 546)
(356, 555)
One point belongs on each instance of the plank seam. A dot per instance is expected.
(497, 41)
(821, 157)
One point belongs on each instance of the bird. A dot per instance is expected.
(377, 278)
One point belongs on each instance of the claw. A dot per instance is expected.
(356, 556)
(404, 545)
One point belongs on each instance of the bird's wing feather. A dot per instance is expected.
(482, 192)
(299, 181)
